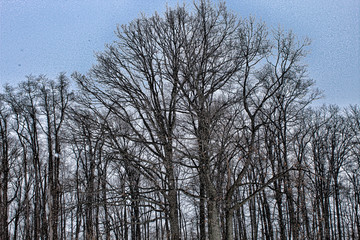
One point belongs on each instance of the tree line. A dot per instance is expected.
(195, 124)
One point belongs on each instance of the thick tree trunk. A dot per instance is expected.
(326, 216)
(173, 211)
(229, 230)
(135, 210)
(172, 196)
(213, 219)
(202, 216)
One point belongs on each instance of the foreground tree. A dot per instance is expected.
(139, 78)
(184, 66)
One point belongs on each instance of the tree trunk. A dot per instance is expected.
(202, 216)
(337, 206)
(4, 178)
(213, 219)
(278, 198)
(173, 213)
(135, 211)
(172, 192)
(229, 231)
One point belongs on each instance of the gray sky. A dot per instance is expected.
(53, 36)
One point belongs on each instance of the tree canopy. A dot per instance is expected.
(194, 124)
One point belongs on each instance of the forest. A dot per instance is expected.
(193, 124)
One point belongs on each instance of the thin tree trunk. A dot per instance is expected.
(337, 206)
(278, 198)
(4, 179)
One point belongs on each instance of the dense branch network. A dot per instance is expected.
(194, 124)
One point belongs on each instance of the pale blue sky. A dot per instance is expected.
(52, 36)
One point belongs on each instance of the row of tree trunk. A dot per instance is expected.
(192, 125)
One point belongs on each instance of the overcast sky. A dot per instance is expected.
(53, 36)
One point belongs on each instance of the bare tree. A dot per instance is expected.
(194, 124)
(54, 101)
(137, 81)
(4, 169)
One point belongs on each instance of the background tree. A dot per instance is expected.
(194, 124)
